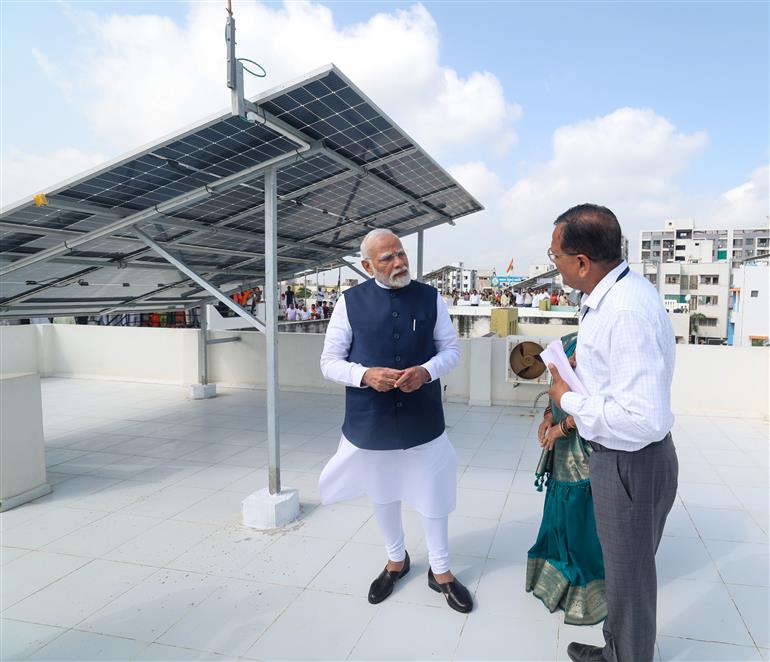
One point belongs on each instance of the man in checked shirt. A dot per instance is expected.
(625, 359)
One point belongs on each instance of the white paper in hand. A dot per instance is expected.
(554, 353)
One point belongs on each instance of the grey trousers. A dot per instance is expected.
(633, 493)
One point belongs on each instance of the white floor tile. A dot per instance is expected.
(718, 524)
(224, 553)
(337, 522)
(741, 562)
(103, 535)
(161, 653)
(53, 524)
(699, 495)
(685, 558)
(152, 606)
(351, 570)
(485, 478)
(487, 504)
(8, 554)
(471, 536)
(752, 603)
(679, 523)
(242, 611)
(34, 571)
(699, 610)
(69, 600)
(217, 508)
(673, 648)
(169, 501)
(512, 541)
(162, 543)
(527, 508)
(490, 636)
(20, 639)
(77, 645)
(316, 626)
(432, 633)
(292, 560)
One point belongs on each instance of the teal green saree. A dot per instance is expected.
(565, 568)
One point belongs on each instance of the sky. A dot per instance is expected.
(658, 110)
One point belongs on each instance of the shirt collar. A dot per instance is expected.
(602, 287)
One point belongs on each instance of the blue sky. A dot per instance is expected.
(693, 74)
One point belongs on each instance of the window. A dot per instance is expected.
(693, 283)
(681, 247)
(653, 278)
(708, 321)
(672, 279)
(737, 242)
(749, 241)
(708, 279)
(754, 294)
(708, 300)
(646, 245)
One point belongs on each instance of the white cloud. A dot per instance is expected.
(627, 160)
(746, 205)
(145, 75)
(23, 174)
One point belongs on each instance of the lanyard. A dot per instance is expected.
(620, 277)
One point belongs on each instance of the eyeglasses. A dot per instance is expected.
(552, 255)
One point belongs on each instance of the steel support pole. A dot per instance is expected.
(419, 255)
(271, 329)
(203, 346)
(181, 266)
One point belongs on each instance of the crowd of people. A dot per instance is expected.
(294, 309)
(540, 298)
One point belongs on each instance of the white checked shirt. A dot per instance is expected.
(625, 358)
(339, 336)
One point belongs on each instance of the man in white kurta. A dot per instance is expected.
(394, 447)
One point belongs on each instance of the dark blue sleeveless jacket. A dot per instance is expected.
(392, 329)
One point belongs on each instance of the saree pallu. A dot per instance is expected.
(565, 568)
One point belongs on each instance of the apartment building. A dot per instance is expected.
(681, 241)
(694, 289)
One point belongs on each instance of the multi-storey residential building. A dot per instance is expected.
(452, 277)
(697, 289)
(680, 241)
(749, 305)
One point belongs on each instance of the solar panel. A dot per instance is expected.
(343, 168)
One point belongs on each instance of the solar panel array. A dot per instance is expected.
(361, 172)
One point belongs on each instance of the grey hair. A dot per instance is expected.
(371, 236)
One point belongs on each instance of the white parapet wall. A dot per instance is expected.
(713, 380)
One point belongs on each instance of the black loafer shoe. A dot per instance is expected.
(382, 587)
(584, 653)
(457, 596)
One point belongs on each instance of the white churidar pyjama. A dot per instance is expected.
(388, 516)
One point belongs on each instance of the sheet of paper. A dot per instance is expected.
(554, 353)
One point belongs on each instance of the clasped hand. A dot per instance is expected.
(386, 379)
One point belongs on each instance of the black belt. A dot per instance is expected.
(603, 449)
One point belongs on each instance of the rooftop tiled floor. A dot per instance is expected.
(138, 553)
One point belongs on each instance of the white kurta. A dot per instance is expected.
(425, 476)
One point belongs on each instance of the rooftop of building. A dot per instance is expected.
(138, 554)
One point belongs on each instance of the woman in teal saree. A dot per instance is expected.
(565, 568)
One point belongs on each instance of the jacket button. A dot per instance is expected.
(392, 295)
(399, 404)
(398, 358)
(395, 313)
(396, 336)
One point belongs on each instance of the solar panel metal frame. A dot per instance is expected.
(319, 190)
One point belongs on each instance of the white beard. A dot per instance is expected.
(401, 279)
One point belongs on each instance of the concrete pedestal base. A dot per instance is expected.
(22, 453)
(203, 391)
(263, 510)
